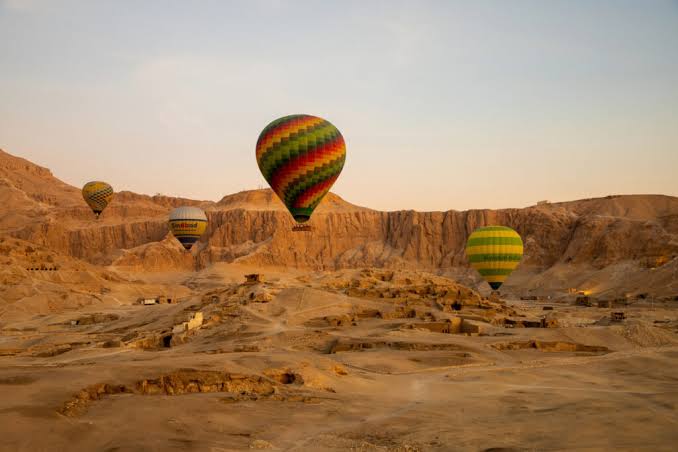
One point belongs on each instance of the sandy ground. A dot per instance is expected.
(295, 363)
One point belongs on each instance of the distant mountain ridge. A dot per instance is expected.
(565, 242)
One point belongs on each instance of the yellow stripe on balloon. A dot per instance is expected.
(328, 158)
(283, 132)
(495, 278)
(494, 249)
(189, 228)
(511, 265)
(484, 234)
(315, 198)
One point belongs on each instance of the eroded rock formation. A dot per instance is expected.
(561, 239)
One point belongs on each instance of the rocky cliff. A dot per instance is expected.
(572, 238)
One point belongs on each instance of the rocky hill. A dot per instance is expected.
(614, 245)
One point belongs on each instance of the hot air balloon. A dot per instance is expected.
(187, 224)
(301, 157)
(495, 251)
(97, 195)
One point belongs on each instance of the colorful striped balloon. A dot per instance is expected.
(97, 195)
(187, 224)
(300, 157)
(495, 251)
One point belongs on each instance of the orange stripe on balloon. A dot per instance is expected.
(285, 130)
(303, 164)
(313, 193)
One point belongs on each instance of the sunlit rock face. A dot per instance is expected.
(629, 234)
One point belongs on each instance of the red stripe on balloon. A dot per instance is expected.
(313, 191)
(315, 157)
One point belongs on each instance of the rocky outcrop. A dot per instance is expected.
(430, 240)
(184, 381)
(253, 227)
(96, 243)
(164, 255)
(546, 346)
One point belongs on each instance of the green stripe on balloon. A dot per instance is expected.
(473, 258)
(323, 172)
(300, 213)
(483, 241)
(293, 146)
(289, 145)
(494, 228)
(301, 184)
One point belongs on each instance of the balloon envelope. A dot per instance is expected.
(301, 157)
(187, 224)
(97, 195)
(495, 251)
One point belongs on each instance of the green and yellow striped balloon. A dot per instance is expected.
(495, 251)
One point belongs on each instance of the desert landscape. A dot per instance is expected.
(368, 333)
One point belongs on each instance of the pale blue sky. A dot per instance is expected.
(443, 104)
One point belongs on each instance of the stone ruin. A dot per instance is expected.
(584, 300)
(617, 316)
(192, 323)
(254, 278)
(160, 299)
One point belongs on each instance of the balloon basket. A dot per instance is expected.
(301, 228)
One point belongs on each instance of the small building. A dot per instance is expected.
(617, 316)
(160, 299)
(254, 278)
(584, 300)
(147, 301)
(195, 321)
(604, 303)
(435, 327)
(521, 323)
(543, 202)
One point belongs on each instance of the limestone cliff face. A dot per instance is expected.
(254, 227)
(96, 243)
(430, 240)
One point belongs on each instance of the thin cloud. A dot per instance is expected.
(23, 6)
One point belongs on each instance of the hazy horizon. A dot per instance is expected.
(443, 105)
